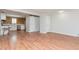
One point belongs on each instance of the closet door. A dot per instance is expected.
(37, 24)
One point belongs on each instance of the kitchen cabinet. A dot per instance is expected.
(20, 26)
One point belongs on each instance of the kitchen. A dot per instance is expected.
(11, 23)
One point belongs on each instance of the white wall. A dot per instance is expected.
(44, 23)
(65, 23)
(27, 23)
(37, 24)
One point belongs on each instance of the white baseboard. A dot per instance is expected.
(75, 35)
(43, 32)
(32, 31)
(67, 34)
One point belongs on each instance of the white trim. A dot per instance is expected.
(12, 15)
(75, 35)
(32, 31)
(27, 11)
(43, 32)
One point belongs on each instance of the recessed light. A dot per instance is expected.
(61, 11)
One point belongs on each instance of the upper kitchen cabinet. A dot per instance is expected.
(2, 16)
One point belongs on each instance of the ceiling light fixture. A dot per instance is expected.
(61, 11)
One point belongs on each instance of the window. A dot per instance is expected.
(14, 20)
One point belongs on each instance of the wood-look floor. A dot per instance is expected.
(20, 40)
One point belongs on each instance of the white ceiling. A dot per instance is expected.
(24, 12)
(12, 12)
(51, 10)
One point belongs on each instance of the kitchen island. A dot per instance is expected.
(4, 30)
